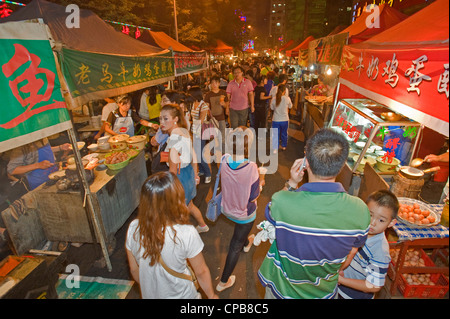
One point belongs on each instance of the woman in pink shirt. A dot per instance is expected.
(240, 189)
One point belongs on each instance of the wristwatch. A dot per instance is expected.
(289, 187)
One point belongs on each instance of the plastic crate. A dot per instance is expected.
(422, 254)
(439, 290)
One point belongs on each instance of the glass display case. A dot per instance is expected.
(376, 134)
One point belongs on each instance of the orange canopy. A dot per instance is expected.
(162, 40)
(221, 47)
(284, 46)
(302, 46)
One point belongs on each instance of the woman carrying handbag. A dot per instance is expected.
(240, 190)
(161, 243)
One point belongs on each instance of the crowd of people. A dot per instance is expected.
(328, 243)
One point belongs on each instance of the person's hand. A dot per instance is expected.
(154, 142)
(64, 147)
(252, 109)
(431, 158)
(296, 174)
(154, 126)
(197, 179)
(97, 136)
(44, 164)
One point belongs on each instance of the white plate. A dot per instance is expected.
(90, 156)
(423, 206)
(360, 144)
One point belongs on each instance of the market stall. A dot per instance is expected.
(88, 67)
(405, 70)
(325, 54)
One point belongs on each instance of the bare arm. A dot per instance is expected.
(134, 267)
(349, 258)
(358, 284)
(203, 275)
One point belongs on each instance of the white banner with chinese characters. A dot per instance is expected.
(411, 81)
(32, 106)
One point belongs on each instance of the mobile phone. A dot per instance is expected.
(302, 167)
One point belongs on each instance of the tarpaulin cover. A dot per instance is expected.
(93, 36)
(221, 47)
(406, 67)
(162, 40)
(302, 46)
(284, 46)
(362, 30)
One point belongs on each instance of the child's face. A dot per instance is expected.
(380, 218)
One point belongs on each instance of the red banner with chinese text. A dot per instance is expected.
(413, 82)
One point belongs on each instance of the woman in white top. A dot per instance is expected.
(162, 230)
(280, 119)
(200, 113)
(181, 157)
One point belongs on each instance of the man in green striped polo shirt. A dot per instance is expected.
(317, 225)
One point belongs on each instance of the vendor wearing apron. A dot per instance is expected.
(122, 120)
(36, 161)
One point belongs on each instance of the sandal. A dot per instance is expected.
(251, 238)
(221, 287)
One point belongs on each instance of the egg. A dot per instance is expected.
(425, 221)
(431, 219)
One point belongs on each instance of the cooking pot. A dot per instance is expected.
(118, 142)
(137, 142)
(415, 173)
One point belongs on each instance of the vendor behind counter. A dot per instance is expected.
(34, 162)
(123, 119)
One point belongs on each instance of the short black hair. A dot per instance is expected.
(215, 78)
(196, 93)
(283, 77)
(385, 198)
(326, 152)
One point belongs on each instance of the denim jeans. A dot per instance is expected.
(203, 167)
(282, 128)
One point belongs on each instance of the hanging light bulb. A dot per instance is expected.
(329, 71)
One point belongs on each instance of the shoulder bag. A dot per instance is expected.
(174, 273)
(215, 204)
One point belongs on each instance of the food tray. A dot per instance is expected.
(423, 206)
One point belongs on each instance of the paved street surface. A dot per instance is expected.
(89, 257)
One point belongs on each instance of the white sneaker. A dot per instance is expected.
(207, 179)
(201, 229)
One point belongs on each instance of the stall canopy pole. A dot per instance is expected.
(88, 196)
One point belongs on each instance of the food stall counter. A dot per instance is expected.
(116, 195)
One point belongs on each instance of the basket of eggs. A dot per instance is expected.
(416, 213)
